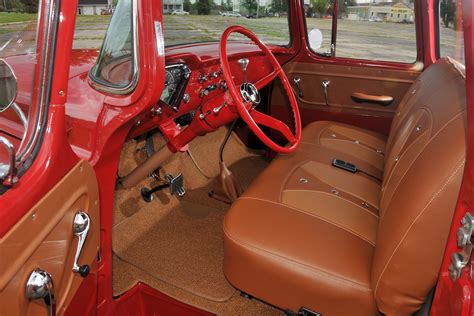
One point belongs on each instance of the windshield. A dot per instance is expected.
(188, 21)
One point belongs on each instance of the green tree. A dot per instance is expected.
(203, 7)
(320, 6)
(279, 6)
(343, 4)
(448, 12)
(250, 5)
(229, 6)
(13, 5)
(187, 5)
(30, 6)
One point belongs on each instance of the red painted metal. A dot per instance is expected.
(252, 117)
(96, 125)
(143, 300)
(455, 298)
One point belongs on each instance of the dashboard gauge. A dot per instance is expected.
(176, 79)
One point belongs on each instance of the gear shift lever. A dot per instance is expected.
(244, 62)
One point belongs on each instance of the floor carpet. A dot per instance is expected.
(175, 244)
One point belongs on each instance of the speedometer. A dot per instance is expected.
(169, 78)
(176, 79)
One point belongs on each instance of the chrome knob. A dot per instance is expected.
(80, 228)
(40, 286)
(8, 170)
(243, 63)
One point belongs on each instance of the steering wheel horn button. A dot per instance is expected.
(250, 93)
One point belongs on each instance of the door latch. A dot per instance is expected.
(40, 286)
(80, 229)
(325, 84)
(297, 81)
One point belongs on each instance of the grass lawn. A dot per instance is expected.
(6, 17)
(93, 19)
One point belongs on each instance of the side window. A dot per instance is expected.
(451, 37)
(117, 67)
(372, 30)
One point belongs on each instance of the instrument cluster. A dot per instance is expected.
(176, 79)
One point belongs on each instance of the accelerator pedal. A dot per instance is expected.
(176, 185)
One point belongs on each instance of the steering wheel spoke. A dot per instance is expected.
(274, 124)
(261, 83)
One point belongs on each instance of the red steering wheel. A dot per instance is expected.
(246, 97)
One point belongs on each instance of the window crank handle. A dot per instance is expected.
(80, 229)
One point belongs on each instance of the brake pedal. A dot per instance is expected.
(176, 184)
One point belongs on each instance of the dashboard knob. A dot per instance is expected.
(186, 98)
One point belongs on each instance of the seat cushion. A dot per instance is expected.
(298, 225)
(294, 258)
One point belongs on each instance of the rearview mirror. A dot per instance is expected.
(315, 38)
(8, 85)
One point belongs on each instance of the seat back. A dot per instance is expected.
(423, 170)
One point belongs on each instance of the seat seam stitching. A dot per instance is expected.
(415, 159)
(315, 216)
(348, 201)
(330, 275)
(443, 187)
(290, 173)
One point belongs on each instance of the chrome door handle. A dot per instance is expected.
(80, 228)
(296, 81)
(40, 286)
(325, 84)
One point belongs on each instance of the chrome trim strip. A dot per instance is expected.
(21, 115)
(47, 62)
(102, 86)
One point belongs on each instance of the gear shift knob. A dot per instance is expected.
(244, 62)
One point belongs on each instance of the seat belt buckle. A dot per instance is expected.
(344, 165)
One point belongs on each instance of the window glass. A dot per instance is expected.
(451, 30)
(372, 29)
(114, 65)
(188, 21)
(18, 26)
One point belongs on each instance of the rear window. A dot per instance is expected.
(451, 35)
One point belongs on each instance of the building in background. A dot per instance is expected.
(94, 7)
(401, 12)
(171, 5)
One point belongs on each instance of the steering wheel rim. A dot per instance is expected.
(246, 110)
